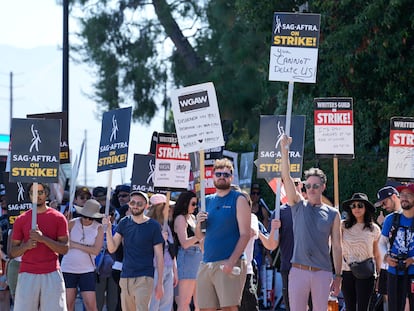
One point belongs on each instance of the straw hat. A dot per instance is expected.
(90, 209)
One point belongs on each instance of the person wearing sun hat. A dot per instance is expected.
(397, 233)
(78, 265)
(360, 235)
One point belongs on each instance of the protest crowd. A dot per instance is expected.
(147, 252)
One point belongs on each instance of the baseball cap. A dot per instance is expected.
(143, 194)
(98, 192)
(407, 186)
(82, 190)
(383, 193)
(159, 198)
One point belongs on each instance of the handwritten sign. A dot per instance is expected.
(294, 50)
(333, 125)
(401, 148)
(197, 118)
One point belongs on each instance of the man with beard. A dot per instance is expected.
(142, 239)
(389, 200)
(398, 233)
(222, 273)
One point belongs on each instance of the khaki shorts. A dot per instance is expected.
(216, 289)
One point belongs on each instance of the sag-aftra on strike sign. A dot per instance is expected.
(35, 150)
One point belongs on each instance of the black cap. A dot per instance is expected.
(385, 192)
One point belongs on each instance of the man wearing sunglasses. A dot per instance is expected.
(222, 273)
(315, 226)
(142, 240)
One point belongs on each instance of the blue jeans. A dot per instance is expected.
(166, 302)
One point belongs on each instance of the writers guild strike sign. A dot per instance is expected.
(113, 147)
(35, 148)
(294, 50)
(334, 127)
(197, 118)
(64, 140)
(269, 157)
(172, 166)
(401, 149)
(18, 200)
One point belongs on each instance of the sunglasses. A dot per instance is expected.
(39, 192)
(133, 203)
(122, 195)
(255, 193)
(224, 174)
(296, 183)
(193, 203)
(313, 186)
(357, 205)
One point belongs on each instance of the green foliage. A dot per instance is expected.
(366, 52)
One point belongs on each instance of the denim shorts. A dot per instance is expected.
(188, 261)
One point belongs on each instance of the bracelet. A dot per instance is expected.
(338, 276)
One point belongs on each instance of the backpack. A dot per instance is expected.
(105, 262)
(394, 228)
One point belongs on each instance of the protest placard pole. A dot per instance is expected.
(35, 187)
(108, 193)
(202, 188)
(287, 132)
(166, 211)
(73, 179)
(336, 184)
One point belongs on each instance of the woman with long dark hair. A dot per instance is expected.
(360, 237)
(189, 249)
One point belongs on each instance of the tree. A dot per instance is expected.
(366, 52)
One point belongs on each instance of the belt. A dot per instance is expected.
(305, 267)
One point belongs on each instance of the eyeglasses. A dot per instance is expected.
(313, 186)
(255, 193)
(193, 203)
(406, 194)
(224, 174)
(39, 192)
(122, 195)
(133, 203)
(357, 205)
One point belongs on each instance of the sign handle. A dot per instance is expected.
(166, 211)
(277, 205)
(336, 185)
(108, 193)
(35, 188)
(202, 188)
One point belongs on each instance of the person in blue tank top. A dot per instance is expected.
(316, 226)
(142, 240)
(222, 273)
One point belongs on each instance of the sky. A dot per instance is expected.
(30, 48)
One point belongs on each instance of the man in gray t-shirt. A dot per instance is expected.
(315, 226)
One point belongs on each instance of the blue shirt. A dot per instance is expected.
(404, 240)
(222, 229)
(139, 241)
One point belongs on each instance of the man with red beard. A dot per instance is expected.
(142, 239)
(398, 232)
(222, 273)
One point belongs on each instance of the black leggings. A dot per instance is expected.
(356, 292)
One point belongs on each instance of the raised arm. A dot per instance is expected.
(292, 195)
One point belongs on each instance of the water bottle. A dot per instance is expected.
(332, 303)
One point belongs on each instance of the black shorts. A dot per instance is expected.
(382, 282)
(85, 281)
